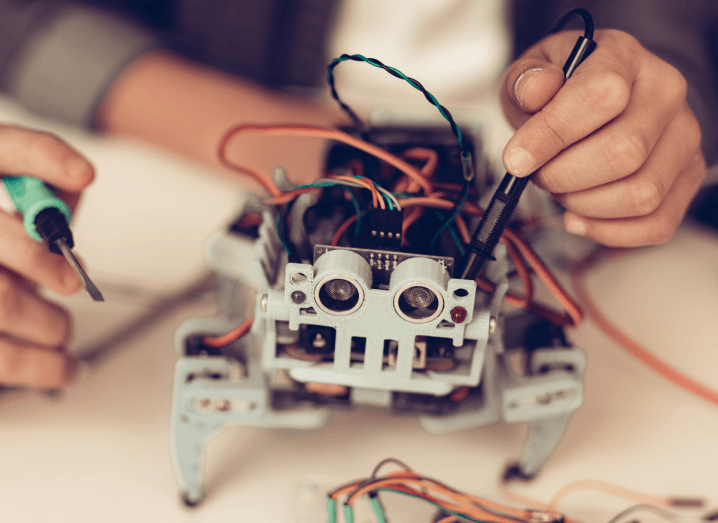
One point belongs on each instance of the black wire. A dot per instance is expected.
(386, 461)
(355, 119)
(293, 255)
(668, 516)
(579, 11)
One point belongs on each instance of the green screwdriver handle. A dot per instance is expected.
(31, 196)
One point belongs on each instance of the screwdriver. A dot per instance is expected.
(47, 219)
(494, 221)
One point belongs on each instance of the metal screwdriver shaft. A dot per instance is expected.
(90, 287)
(506, 198)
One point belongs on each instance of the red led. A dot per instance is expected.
(458, 315)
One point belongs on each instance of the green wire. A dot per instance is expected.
(388, 201)
(427, 500)
(279, 235)
(332, 510)
(453, 233)
(453, 216)
(348, 513)
(378, 509)
(409, 81)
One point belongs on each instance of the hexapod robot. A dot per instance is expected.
(367, 315)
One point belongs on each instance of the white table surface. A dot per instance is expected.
(100, 452)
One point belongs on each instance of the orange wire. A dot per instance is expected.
(575, 314)
(343, 227)
(462, 228)
(316, 132)
(424, 153)
(409, 219)
(365, 182)
(607, 488)
(462, 501)
(632, 347)
(427, 170)
(287, 197)
(226, 339)
(527, 299)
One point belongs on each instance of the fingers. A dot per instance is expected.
(33, 334)
(598, 91)
(24, 315)
(641, 193)
(621, 146)
(32, 259)
(45, 156)
(22, 364)
(654, 228)
(33, 331)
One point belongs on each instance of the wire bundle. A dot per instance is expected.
(457, 504)
(409, 483)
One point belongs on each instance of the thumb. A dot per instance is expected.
(529, 84)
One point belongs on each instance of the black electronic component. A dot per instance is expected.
(383, 230)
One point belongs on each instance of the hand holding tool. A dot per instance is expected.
(47, 218)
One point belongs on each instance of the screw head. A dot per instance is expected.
(319, 341)
(298, 297)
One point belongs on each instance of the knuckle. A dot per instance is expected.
(551, 179)
(609, 92)
(646, 196)
(555, 130)
(674, 85)
(620, 38)
(626, 152)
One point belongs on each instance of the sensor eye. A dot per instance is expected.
(418, 303)
(339, 295)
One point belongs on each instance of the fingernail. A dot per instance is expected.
(76, 167)
(576, 226)
(76, 371)
(519, 162)
(523, 81)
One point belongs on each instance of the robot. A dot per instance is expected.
(364, 322)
